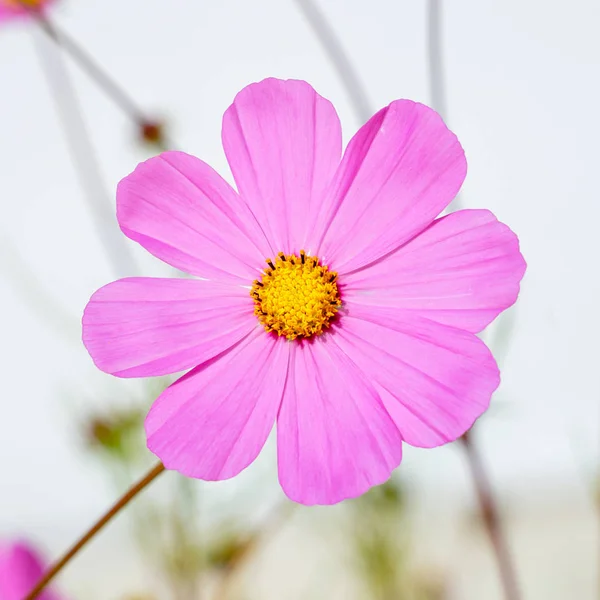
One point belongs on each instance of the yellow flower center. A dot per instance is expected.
(296, 296)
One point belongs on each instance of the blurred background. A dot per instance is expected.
(518, 81)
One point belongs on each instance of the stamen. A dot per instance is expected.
(296, 299)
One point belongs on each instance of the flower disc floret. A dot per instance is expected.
(296, 296)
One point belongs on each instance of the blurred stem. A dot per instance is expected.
(184, 527)
(491, 519)
(338, 57)
(485, 496)
(83, 156)
(99, 75)
(436, 55)
(33, 293)
(112, 512)
(256, 541)
(437, 83)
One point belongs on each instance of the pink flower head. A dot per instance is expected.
(331, 300)
(20, 569)
(15, 9)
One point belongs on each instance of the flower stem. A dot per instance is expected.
(339, 58)
(489, 510)
(436, 56)
(491, 519)
(92, 68)
(101, 77)
(84, 159)
(116, 508)
(437, 84)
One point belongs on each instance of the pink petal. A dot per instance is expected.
(434, 380)
(213, 422)
(141, 327)
(335, 439)
(283, 142)
(398, 173)
(20, 569)
(12, 10)
(463, 270)
(183, 212)
(9, 12)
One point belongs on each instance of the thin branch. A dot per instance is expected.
(436, 58)
(339, 58)
(489, 510)
(147, 128)
(437, 83)
(84, 159)
(93, 69)
(73, 551)
(491, 520)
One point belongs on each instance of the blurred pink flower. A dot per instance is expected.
(20, 569)
(350, 359)
(16, 9)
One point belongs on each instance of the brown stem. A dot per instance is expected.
(116, 508)
(491, 520)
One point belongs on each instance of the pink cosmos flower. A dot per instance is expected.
(331, 299)
(20, 569)
(16, 9)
